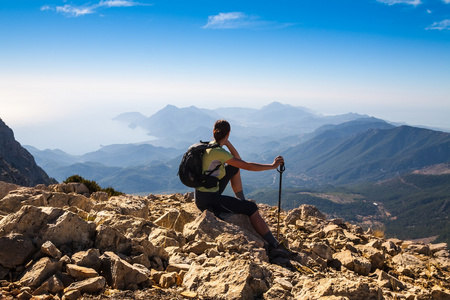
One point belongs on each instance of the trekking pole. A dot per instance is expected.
(280, 170)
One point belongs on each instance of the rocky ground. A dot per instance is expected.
(59, 242)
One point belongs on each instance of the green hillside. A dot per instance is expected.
(372, 155)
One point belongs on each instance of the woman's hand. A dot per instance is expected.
(278, 161)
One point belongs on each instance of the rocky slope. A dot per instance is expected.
(59, 242)
(17, 165)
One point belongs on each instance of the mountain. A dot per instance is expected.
(371, 155)
(181, 127)
(102, 163)
(17, 165)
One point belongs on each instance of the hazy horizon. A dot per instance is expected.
(68, 67)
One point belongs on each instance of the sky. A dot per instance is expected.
(68, 67)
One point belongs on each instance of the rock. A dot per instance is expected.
(16, 199)
(420, 249)
(388, 281)
(120, 274)
(277, 292)
(409, 261)
(128, 205)
(221, 278)
(17, 244)
(303, 212)
(80, 273)
(6, 187)
(50, 249)
(59, 226)
(354, 262)
(168, 279)
(100, 196)
(341, 288)
(323, 250)
(440, 295)
(88, 259)
(285, 284)
(210, 229)
(178, 267)
(198, 247)
(90, 285)
(129, 226)
(110, 239)
(175, 219)
(40, 271)
(375, 256)
(52, 285)
(72, 295)
(391, 248)
(438, 247)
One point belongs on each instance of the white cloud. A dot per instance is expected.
(77, 11)
(227, 20)
(118, 3)
(410, 2)
(443, 25)
(46, 7)
(446, 1)
(234, 20)
(429, 11)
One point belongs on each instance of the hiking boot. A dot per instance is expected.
(281, 251)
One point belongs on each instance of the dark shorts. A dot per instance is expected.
(217, 203)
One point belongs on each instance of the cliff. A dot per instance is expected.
(59, 242)
(17, 165)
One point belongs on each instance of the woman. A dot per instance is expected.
(230, 163)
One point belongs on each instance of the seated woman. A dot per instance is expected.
(230, 163)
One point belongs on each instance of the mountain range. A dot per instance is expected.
(318, 150)
(323, 154)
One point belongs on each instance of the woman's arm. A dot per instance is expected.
(249, 166)
(233, 150)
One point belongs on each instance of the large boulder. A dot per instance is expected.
(120, 274)
(303, 212)
(209, 228)
(40, 271)
(6, 187)
(354, 262)
(341, 288)
(220, 278)
(43, 224)
(15, 249)
(126, 205)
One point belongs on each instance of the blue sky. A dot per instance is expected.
(66, 65)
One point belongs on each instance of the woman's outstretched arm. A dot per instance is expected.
(250, 166)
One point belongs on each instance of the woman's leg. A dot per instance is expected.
(236, 185)
(259, 224)
(262, 229)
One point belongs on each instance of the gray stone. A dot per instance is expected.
(80, 273)
(15, 249)
(40, 271)
(88, 259)
(50, 249)
(90, 285)
(119, 273)
(354, 262)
